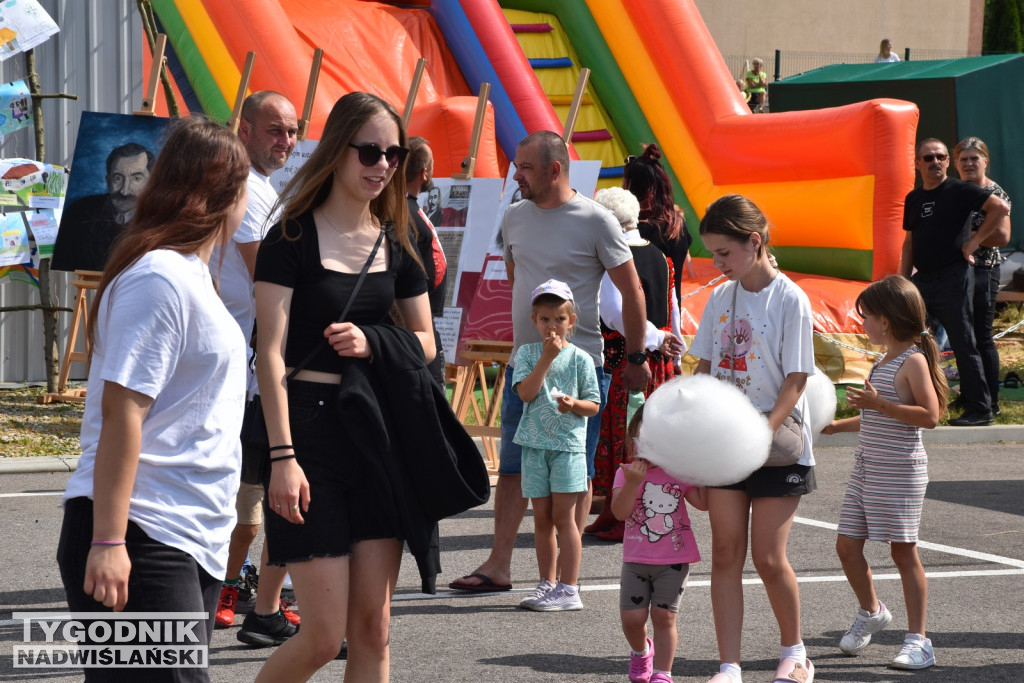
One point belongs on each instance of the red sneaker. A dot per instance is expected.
(291, 615)
(226, 607)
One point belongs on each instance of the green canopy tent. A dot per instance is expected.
(980, 96)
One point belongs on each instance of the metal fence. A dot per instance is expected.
(783, 64)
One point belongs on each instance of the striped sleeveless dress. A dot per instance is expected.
(885, 493)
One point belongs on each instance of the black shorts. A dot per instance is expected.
(777, 482)
(347, 503)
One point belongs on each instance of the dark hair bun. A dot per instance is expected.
(652, 152)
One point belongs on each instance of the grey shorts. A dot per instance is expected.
(661, 585)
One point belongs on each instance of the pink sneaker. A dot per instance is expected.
(661, 677)
(640, 667)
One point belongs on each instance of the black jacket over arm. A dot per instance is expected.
(431, 466)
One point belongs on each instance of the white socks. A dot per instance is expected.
(732, 671)
(798, 653)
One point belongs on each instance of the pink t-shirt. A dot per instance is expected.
(658, 532)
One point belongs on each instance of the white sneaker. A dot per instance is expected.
(558, 599)
(916, 654)
(864, 626)
(542, 589)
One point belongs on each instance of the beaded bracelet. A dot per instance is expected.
(108, 542)
(284, 457)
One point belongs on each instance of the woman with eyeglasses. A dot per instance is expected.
(972, 159)
(335, 522)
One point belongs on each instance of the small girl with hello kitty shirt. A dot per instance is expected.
(657, 549)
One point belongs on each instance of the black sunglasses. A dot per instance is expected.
(371, 153)
(929, 158)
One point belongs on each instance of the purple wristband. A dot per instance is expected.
(108, 542)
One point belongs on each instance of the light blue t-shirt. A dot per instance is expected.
(542, 426)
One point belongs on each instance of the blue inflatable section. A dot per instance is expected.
(476, 68)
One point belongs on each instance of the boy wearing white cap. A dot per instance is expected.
(557, 384)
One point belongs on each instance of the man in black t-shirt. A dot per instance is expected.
(939, 244)
(419, 177)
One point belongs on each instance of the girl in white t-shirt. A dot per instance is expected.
(149, 511)
(756, 331)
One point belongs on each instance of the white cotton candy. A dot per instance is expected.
(821, 402)
(703, 431)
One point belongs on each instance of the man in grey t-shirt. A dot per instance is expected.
(562, 235)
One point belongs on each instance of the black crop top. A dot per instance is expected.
(320, 294)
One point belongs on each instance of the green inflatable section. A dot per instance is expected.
(979, 96)
(199, 76)
(611, 87)
(848, 264)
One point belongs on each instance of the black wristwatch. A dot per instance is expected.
(637, 357)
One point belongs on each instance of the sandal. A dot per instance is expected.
(791, 671)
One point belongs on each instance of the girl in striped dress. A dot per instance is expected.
(905, 392)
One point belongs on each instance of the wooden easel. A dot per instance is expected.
(574, 107)
(481, 354)
(84, 281)
(469, 163)
(307, 107)
(243, 86)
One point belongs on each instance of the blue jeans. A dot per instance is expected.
(510, 459)
(162, 579)
(948, 294)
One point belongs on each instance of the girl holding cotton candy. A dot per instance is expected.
(756, 334)
(658, 548)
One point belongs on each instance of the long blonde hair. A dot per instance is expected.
(312, 183)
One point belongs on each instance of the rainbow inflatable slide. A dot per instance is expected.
(831, 181)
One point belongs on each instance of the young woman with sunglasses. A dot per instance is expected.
(330, 520)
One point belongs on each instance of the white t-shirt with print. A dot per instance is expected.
(162, 331)
(774, 336)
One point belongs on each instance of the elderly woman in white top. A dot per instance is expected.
(664, 346)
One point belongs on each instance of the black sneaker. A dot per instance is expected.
(976, 420)
(261, 632)
(247, 586)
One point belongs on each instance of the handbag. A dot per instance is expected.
(788, 440)
(255, 440)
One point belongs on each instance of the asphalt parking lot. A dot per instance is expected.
(972, 548)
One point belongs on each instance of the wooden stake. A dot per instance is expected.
(574, 108)
(243, 87)
(469, 163)
(85, 280)
(421, 64)
(154, 77)
(307, 108)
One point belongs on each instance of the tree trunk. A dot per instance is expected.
(47, 299)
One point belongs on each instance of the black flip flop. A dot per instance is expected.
(485, 585)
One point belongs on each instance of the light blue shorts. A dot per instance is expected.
(545, 472)
(511, 454)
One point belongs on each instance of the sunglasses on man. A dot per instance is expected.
(928, 158)
(371, 153)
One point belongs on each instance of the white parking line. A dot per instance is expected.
(938, 547)
(23, 495)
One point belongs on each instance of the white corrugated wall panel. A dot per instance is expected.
(97, 55)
